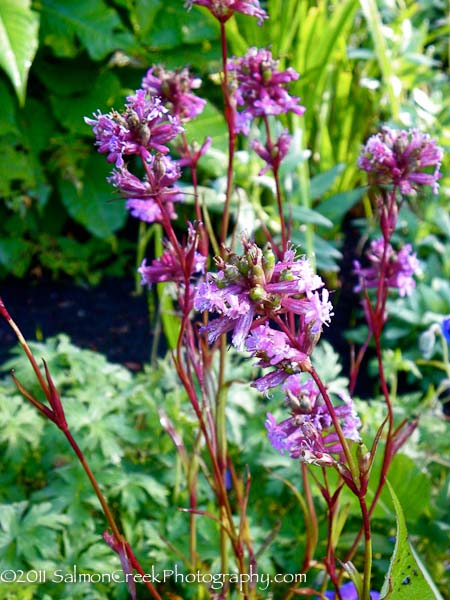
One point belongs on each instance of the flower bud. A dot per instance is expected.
(268, 262)
(257, 275)
(363, 457)
(257, 293)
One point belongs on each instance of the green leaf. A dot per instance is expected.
(336, 207)
(307, 215)
(97, 27)
(410, 483)
(407, 577)
(93, 203)
(210, 123)
(104, 89)
(15, 255)
(384, 57)
(19, 27)
(320, 184)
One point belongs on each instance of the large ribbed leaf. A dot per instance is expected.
(19, 27)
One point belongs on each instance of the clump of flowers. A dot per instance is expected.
(250, 293)
(404, 159)
(272, 153)
(261, 87)
(174, 90)
(145, 125)
(177, 264)
(397, 268)
(308, 433)
(151, 120)
(224, 9)
(145, 197)
(254, 286)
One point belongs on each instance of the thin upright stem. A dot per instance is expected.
(348, 455)
(230, 119)
(278, 193)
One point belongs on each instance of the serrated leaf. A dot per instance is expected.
(407, 578)
(19, 27)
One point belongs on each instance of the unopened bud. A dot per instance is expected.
(363, 457)
(258, 276)
(268, 262)
(159, 166)
(257, 293)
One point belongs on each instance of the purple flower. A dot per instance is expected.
(398, 270)
(308, 433)
(177, 265)
(174, 89)
(146, 196)
(261, 87)
(224, 9)
(273, 153)
(143, 126)
(405, 159)
(271, 346)
(348, 592)
(445, 327)
(254, 286)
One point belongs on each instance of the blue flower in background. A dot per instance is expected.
(445, 326)
(348, 592)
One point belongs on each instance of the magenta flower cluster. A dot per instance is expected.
(404, 159)
(253, 286)
(224, 9)
(308, 433)
(397, 268)
(177, 265)
(144, 129)
(175, 90)
(261, 87)
(251, 294)
(145, 196)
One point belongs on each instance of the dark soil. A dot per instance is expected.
(107, 318)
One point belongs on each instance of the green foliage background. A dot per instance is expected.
(361, 64)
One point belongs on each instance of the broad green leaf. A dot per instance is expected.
(320, 184)
(410, 483)
(210, 123)
(97, 27)
(407, 578)
(19, 27)
(16, 255)
(8, 124)
(93, 202)
(104, 89)
(336, 207)
(303, 214)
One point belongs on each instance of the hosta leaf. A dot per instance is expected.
(19, 27)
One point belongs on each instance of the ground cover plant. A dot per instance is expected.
(336, 497)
